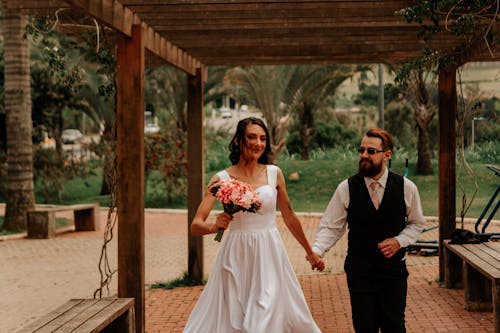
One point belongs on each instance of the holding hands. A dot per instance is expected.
(316, 261)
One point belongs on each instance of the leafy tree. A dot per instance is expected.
(268, 87)
(280, 92)
(329, 133)
(475, 21)
(311, 89)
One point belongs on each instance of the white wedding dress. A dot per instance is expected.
(252, 288)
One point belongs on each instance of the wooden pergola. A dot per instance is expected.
(194, 34)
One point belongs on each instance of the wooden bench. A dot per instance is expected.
(41, 222)
(476, 268)
(88, 316)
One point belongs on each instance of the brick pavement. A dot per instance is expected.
(38, 275)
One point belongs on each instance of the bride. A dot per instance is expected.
(253, 287)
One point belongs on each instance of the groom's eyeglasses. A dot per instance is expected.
(370, 151)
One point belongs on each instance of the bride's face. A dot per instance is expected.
(255, 142)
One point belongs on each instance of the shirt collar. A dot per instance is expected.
(382, 180)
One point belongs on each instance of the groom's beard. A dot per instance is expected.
(368, 169)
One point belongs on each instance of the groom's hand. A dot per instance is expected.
(316, 261)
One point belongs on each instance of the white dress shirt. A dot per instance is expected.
(333, 224)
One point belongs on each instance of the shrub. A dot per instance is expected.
(165, 153)
(52, 170)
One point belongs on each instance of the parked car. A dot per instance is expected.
(71, 136)
(225, 112)
(151, 129)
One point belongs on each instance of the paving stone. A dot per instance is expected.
(38, 275)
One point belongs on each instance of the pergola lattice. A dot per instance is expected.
(193, 34)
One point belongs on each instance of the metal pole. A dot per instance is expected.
(472, 135)
(381, 95)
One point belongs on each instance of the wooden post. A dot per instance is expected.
(477, 290)
(453, 271)
(130, 170)
(195, 171)
(447, 155)
(495, 297)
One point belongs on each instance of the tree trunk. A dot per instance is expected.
(424, 113)
(278, 130)
(424, 156)
(20, 187)
(306, 130)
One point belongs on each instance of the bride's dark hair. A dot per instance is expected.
(239, 139)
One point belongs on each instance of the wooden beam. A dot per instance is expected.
(195, 171)
(35, 6)
(277, 10)
(130, 170)
(121, 18)
(447, 163)
(165, 50)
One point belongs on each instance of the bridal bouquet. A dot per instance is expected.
(235, 196)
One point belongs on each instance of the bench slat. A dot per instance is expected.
(87, 316)
(95, 306)
(493, 252)
(489, 255)
(64, 318)
(478, 259)
(109, 314)
(49, 317)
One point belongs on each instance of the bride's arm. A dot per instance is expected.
(200, 226)
(289, 217)
(293, 223)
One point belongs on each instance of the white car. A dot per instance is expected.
(151, 129)
(71, 136)
(225, 113)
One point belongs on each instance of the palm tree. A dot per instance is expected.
(166, 88)
(281, 91)
(424, 111)
(101, 109)
(313, 87)
(17, 99)
(268, 87)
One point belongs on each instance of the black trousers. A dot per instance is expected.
(378, 303)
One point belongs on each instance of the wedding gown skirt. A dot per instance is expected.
(252, 288)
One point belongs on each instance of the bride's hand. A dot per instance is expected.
(223, 220)
(316, 261)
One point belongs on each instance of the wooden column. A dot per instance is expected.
(447, 155)
(130, 170)
(195, 171)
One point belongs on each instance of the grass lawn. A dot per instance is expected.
(312, 192)
(315, 186)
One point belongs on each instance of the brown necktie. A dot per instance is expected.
(374, 187)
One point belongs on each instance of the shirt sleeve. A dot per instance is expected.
(415, 217)
(332, 225)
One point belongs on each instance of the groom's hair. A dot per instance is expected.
(382, 134)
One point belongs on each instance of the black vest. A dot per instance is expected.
(368, 227)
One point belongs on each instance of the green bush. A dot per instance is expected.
(217, 150)
(327, 135)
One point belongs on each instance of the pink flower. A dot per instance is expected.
(235, 196)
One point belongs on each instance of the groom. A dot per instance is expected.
(383, 213)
